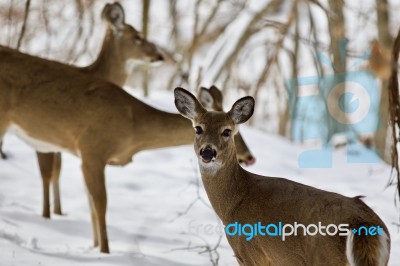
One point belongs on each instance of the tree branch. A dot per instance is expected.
(21, 35)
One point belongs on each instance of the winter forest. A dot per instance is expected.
(323, 74)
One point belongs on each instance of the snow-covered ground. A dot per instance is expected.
(157, 215)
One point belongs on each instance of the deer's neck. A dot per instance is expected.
(162, 129)
(110, 65)
(227, 186)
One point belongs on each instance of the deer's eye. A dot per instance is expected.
(227, 133)
(198, 130)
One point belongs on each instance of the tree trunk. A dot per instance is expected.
(380, 137)
(338, 39)
(284, 117)
(145, 23)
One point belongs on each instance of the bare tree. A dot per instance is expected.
(145, 26)
(386, 40)
(338, 45)
(394, 109)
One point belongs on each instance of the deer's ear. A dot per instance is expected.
(187, 104)
(115, 16)
(242, 110)
(205, 98)
(217, 95)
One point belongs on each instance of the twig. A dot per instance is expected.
(195, 200)
(85, 47)
(10, 21)
(21, 35)
(206, 248)
(278, 46)
(397, 225)
(247, 34)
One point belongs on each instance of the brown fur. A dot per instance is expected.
(88, 117)
(240, 196)
(85, 116)
(121, 44)
(212, 99)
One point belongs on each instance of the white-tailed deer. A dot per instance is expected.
(55, 108)
(121, 43)
(243, 198)
(212, 100)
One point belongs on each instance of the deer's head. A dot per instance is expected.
(212, 100)
(128, 41)
(214, 130)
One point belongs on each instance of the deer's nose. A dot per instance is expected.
(250, 160)
(207, 154)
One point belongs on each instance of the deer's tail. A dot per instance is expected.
(368, 250)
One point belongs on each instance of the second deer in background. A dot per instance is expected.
(121, 44)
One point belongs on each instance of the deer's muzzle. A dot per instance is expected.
(207, 154)
(250, 160)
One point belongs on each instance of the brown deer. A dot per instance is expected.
(54, 107)
(121, 44)
(212, 99)
(240, 197)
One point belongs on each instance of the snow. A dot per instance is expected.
(156, 213)
(153, 215)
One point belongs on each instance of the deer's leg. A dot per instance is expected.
(95, 227)
(45, 161)
(55, 180)
(4, 123)
(95, 183)
(2, 154)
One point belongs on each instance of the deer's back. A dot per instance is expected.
(39, 94)
(278, 200)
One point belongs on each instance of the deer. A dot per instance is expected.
(122, 43)
(57, 108)
(242, 197)
(212, 99)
